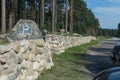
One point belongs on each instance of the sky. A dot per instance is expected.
(107, 12)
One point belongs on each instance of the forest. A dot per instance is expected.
(71, 15)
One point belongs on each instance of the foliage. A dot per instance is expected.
(84, 21)
(3, 41)
(118, 32)
(107, 32)
(0, 14)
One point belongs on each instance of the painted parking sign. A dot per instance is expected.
(25, 29)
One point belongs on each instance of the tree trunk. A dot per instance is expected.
(39, 13)
(42, 13)
(14, 12)
(10, 16)
(53, 16)
(3, 16)
(66, 19)
(71, 17)
(10, 22)
(18, 10)
(14, 20)
(33, 12)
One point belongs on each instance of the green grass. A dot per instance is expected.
(103, 38)
(4, 43)
(67, 65)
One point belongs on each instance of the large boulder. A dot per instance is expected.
(24, 29)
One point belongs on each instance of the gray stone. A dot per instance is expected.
(5, 48)
(24, 46)
(40, 42)
(17, 71)
(1, 70)
(37, 50)
(29, 78)
(12, 57)
(26, 64)
(3, 59)
(20, 59)
(36, 65)
(11, 76)
(35, 74)
(24, 29)
(8, 71)
(4, 77)
(5, 66)
(16, 47)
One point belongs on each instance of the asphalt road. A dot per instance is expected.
(97, 58)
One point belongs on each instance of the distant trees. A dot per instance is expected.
(119, 26)
(107, 32)
(118, 32)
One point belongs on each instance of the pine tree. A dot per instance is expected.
(71, 17)
(3, 16)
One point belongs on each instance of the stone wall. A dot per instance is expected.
(26, 59)
(60, 43)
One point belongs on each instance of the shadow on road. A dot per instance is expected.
(101, 50)
(111, 42)
(97, 58)
(96, 63)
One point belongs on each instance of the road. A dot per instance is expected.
(97, 58)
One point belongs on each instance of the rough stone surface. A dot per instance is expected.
(26, 59)
(24, 29)
(59, 43)
(18, 62)
(5, 48)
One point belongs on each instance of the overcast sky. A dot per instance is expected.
(107, 11)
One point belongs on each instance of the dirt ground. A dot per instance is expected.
(97, 58)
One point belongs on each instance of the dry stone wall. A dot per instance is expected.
(26, 59)
(60, 43)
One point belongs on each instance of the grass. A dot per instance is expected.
(67, 65)
(4, 42)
